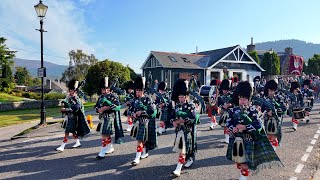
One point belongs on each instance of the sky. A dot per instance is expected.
(127, 30)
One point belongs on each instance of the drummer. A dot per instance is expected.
(297, 107)
(213, 105)
(308, 98)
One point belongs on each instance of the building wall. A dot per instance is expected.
(172, 74)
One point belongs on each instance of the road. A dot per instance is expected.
(36, 158)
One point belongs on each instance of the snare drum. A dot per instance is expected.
(298, 113)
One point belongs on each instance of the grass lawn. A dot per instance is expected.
(4, 97)
(20, 116)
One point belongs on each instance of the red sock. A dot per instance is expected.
(213, 119)
(245, 172)
(65, 140)
(182, 159)
(139, 148)
(238, 165)
(295, 121)
(162, 124)
(225, 130)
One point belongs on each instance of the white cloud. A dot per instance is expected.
(65, 23)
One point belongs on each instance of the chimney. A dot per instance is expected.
(288, 50)
(251, 47)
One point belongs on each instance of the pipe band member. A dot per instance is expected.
(248, 145)
(184, 120)
(308, 98)
(108, 106)
(144, 129)
(75, 122)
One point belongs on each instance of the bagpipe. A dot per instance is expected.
(246, 121)
(197, 97)
(115, 87)
(70, 105)
(103, 101)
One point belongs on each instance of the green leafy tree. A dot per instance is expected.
(79, 65)
(105, 68)
(254, 55)
(314, 65)
(6, 64)
(133, 74)
(34, 82)
(22, 76)
(271, 63)
(305, 68)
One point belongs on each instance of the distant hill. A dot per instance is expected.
(54, 71)
(302, 48)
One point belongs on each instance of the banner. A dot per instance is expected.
(296, 65)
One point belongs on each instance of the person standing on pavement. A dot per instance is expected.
(76, 122)
(308, 98)
(128, 100)
(297, 108)
(144, 129)
(108, 107)
(248, 145)
(184, 119)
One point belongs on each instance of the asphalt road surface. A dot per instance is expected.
(36, 158)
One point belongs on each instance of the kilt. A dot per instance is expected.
(164, 115)
(147, 133)
(77, 124)
(265, 123)
(107, 124)
(119, 136)
(259, 154)
(190, 139)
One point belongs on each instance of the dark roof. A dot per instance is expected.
(217, 54)
(191, 60)
(281, 55)
(196, 61)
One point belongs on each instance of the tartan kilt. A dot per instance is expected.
(259, 154)
(142, 133)
(77, 124)
(190, 138)
(107, 124)
(71, 125)
(147, 133)
(164, 115)
(279, 134)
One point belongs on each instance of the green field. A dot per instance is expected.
(20, 116)
(4, 97)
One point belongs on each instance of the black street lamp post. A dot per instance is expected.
(41, 10)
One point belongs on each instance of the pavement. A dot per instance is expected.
(35, 157)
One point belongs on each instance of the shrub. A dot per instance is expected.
(55, 96)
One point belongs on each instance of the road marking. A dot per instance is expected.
(299, 168)
(309, 149)
(293, 178)
(305, 157)
(313, 141)
(316, 136)
(318, 132)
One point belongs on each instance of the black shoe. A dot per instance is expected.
(307, 121)
(99, 157)
(134, 163)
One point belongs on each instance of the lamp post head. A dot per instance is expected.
(41, 9)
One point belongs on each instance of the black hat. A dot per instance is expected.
(130, 85)
(294, 85)
(179, 88)
(139, 83)
(214, 82)
(257, 78)
(162, 86)
(270, 85)
(103, 83)
(73, 84)
(225, 84)
(243, 89)
(307, 82)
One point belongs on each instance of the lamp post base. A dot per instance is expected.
(43, 116)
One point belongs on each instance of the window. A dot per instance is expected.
(172, 59)
(185, 60)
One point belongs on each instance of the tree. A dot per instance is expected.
(22, 76)
(79, 65)
(314, 64)
(34, 82)
(271, 63)
(6, 62)
(105, 68)
(305, 68)
(133, 74)
(254, 55)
